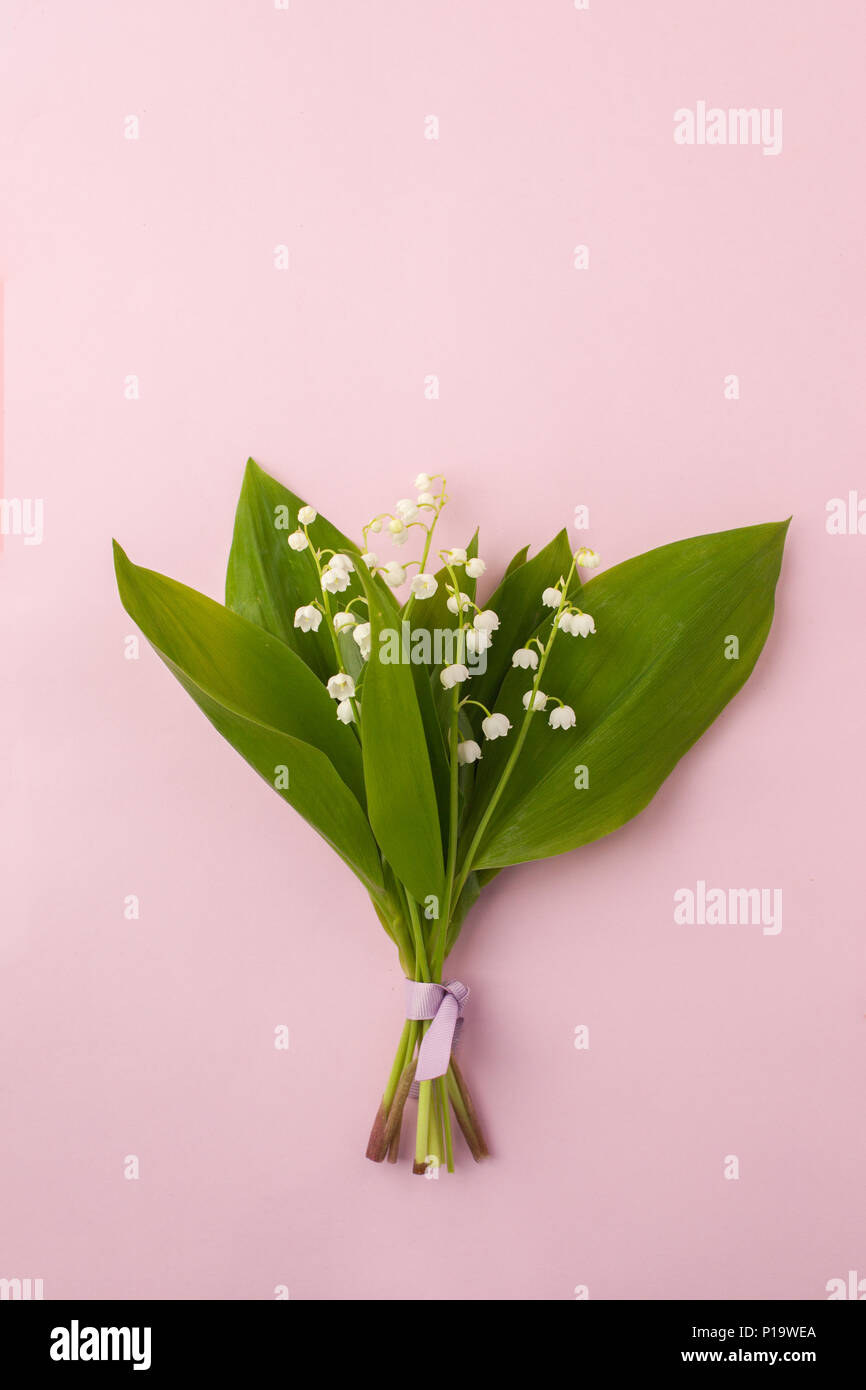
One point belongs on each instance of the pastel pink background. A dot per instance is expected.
(558, 388)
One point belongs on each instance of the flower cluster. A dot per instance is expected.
(532, 657)
(476, 626)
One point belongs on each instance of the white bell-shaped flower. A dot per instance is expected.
(376, 525)
(453, 675)
(297, 540)
(562, 717)
(551, 598)
(371, 560)
(335, 581)
(478, 641)
(361, 634)
(307, 515)
(399, 531)
(345, 713)
(468, 752)
(475, 568)
(424, 585)
(538, 703)
(495, 726)
(586, 558)
(341, 562)
(582, 624)
(308, 618)
(423, 482)
(344, 620)
(341, 686)
(526, 658)
(486, 621)
(426, 499)
(394, 575)
(456, 556)
(454, 607)
(406, 509)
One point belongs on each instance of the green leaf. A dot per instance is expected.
(516, 561)
(267, 581)
(401, 795)
(518, 604)
(644, 688)
(264, 700)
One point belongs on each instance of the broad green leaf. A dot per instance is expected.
(264, 700)
(267, 581)
(644, 688)
(517, 601)
(401, 794)
(314, 787)
(394, 619)
(516, 561)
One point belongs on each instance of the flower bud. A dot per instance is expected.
(454, 607)
(361, 634)
(345, 713)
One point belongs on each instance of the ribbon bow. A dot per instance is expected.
(444, 1004)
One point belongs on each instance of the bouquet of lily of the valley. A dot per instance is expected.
(433, 740)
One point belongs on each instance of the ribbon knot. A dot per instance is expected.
(443, 1004)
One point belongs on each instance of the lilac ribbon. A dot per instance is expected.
(444, 1004)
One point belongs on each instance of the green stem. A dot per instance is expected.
(410, 602)
(446, 1121)
(476, 1146)
(423, 1128)
(466, 867)
(421, 967)
(397, 1069)
(451, 864)
(441, 937)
